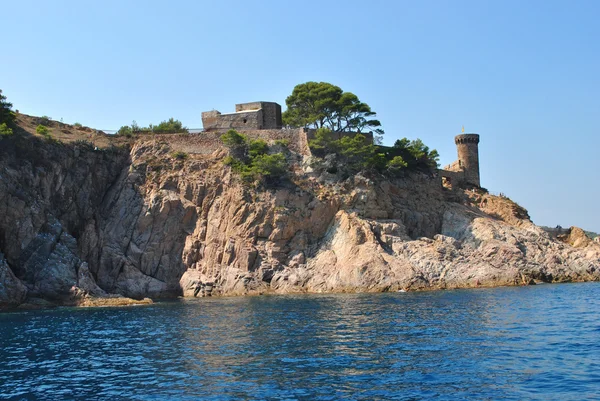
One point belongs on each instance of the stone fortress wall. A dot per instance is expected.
(247, 116)
(209, 141)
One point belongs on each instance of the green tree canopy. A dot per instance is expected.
(323, 105)
(168, 127)
(6, 114)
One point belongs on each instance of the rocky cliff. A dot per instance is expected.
(131, 218)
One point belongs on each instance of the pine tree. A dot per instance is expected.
(7, 116)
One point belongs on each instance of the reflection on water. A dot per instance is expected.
(506, 343)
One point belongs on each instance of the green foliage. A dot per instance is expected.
(416, 154)
(168, 127)
(323, 105)
(7, 116)
(45, 120)
(322, 143)
(354, 152)
(396, 165)
(250, 159)
(257, 147)
(77, 125)
(273, 165)
(5, 131)
(42, 130)
(125, 131)
(179, 155)
(45, 132)
(233, 139)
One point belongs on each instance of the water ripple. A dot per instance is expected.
(505, 343)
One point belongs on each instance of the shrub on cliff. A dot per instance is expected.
(416, 153)
(42, 130)
(232, 138)
(170, 126)
(179, 155)
(7, 116)
(354, 153)
(125, 131)
(250, 158)
(5, 131)
(396, 165)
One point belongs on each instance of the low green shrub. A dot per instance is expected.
(45, 121)
(396, 165)
(5, 131)
(125, 131)
(169, 126)
(42, 130)
(233, 138)
(77, 125)
(179, 155)
(250, 159)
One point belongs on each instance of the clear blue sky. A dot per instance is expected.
(525, 75)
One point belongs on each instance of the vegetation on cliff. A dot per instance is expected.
(170, 126)
(353, 154)
(252, 159)
(7, 116)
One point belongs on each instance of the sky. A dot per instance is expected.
(524, 75)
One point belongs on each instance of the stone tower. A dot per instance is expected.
(467, 146)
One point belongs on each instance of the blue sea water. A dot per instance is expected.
(540, 342)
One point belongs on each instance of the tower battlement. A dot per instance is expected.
(466, 138)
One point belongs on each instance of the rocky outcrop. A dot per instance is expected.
(78, 224)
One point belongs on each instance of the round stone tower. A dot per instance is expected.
(468, 157)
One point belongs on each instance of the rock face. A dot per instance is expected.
(78, 222)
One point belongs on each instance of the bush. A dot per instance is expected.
(396, 165)
(417, 154)
(169, 127)
(250, 159)
(322, 143)
(125, 131)
(257, 147)
(233, 139)
(42, 130)
(272, 166)
(5, 131)
(77, 125)
(179, 155)
(354, 153)
(45, 121)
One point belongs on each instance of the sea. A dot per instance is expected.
(517, 343)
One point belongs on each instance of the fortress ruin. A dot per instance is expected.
(262, 120)
(247, 116)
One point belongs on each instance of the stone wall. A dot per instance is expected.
(209, 141)
(251, 120)
(247, 116)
